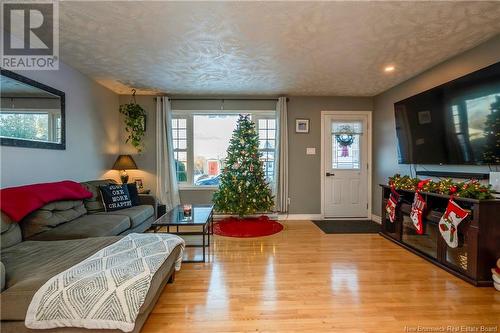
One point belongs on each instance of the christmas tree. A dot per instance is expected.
(491, 153)
(243, 188)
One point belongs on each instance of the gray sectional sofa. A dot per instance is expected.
(60, 235)
(62, 220)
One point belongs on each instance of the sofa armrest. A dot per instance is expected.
(148, 199)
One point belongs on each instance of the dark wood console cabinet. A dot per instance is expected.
(478, 234)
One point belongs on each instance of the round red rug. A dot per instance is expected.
(248, 227)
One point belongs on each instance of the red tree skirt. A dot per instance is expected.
(248, 227)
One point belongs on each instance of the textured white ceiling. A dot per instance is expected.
(295, 48)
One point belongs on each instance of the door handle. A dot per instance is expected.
(330, 174)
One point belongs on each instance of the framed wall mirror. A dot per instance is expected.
(31, 113)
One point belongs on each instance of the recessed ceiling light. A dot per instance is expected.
(388, 69)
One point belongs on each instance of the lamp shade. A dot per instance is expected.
(124, 162)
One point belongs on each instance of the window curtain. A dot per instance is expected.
(281, 169)
(167, 188)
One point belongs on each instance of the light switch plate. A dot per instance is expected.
(495, 181)
(310, 151)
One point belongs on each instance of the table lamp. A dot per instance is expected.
(123, 163)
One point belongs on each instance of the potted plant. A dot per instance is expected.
(135, 122)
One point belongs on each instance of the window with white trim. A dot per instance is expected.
(201, 139)
(179, 136)
(267, 144)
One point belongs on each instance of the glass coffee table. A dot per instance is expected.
(202, 216)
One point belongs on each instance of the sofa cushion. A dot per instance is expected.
(137, 214)
(51, 215)
(94, 204)
(87, 226)
(10, 232)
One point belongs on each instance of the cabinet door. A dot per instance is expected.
(462, 258)
(427, 242)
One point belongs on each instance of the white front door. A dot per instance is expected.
(345, 188)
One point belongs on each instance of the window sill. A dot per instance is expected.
(191, 188)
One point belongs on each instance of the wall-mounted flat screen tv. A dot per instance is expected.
(455, 123)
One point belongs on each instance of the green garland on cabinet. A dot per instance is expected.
(468, 189)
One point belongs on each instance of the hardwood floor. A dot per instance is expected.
(302, 280)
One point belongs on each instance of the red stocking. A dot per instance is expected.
(392, 204)
(418, 207)
(449, 222)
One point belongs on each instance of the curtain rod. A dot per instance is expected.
(224, 99)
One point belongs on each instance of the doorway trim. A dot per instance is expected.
(323, 158)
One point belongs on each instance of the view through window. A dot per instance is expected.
(201, 141)
(29, 125)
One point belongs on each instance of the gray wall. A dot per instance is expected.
(304, 169)
(384, 132)
(91, 134)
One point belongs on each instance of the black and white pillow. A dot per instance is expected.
(115, 197)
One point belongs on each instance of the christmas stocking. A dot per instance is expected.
(449, 222)
(417, 210)
(391, 205)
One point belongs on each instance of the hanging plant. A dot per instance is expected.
(135, 122)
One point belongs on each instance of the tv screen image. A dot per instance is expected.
(455, 123)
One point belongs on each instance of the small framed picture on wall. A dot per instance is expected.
(138, 182)
(301, 125)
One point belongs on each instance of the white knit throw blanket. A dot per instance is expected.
(106, 290)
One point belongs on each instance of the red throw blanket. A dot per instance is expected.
(17, 202)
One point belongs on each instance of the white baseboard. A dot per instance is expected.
(376, 218)
(299, 217)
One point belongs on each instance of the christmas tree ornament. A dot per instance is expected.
(392, 204)
(449, 222)
(418, 208)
